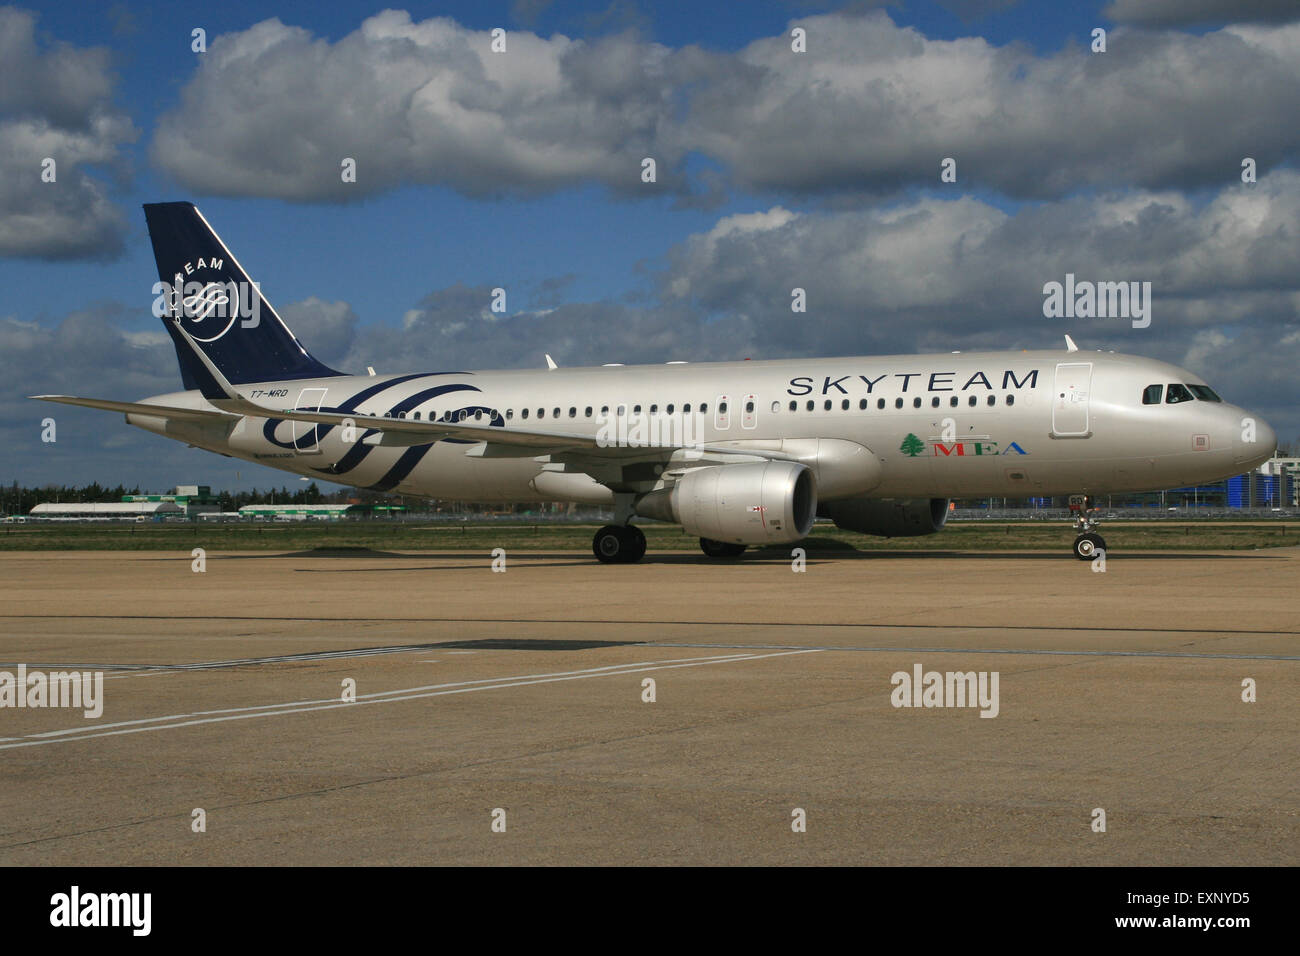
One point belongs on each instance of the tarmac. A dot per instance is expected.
(503, 717)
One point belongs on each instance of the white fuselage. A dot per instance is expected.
(940, 425)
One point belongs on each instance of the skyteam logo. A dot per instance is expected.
(210, 307)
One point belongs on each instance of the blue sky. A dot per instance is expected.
(1054, 148)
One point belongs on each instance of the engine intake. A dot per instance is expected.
(888, 517)
(773, 502)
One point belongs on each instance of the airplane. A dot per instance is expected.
(740, 454)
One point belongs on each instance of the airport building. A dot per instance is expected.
(1284, 483)
(106, 510)
(193, 500)
(300, 512)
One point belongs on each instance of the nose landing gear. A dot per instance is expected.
(1088, 542)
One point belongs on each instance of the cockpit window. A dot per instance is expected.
(1151, 394)
(1177, 393)
(1204, 393)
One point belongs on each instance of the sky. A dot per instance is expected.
(796, 145)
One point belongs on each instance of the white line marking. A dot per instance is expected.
(382, 697)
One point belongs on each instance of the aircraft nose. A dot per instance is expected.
(1256, 442)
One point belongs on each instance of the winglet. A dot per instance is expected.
(550, 363)
(1069, 345)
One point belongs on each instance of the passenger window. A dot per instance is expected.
(934, 402)
(510, 414)
(1151, 394)
(794, 406)
(704, 408)
(523, 413)
(916, 402)
(555, 413)
(573, 412)
(1177, 393)
(722, 408)
(686, 409)
(541, 413)
(587, 411)
(993, 399)
(669, 409)
(654, 409)
(811, 404)
(1011, 399)
(827, 405)
(880, 403)
(862, 404)
(953, 401)
(844, 405)
(898, 403)
(749, 406)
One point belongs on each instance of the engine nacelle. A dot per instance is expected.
(888, 517)
(772, 502)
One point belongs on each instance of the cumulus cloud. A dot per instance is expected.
(329, 327)
(273, 111)
(1173, 13)
(874, 106)
(870, 107)
(967, 272)
(56, 104)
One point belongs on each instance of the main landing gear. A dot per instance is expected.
(618, 544)
(721, 549)
(1088, 542)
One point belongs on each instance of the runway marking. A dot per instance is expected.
(176, 721)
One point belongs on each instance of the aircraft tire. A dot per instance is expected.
(1087, 545)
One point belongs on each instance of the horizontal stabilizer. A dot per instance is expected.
(139, 408)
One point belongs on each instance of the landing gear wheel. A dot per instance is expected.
(613, 544)
(1087, 545)
(636, 543)
(721, 549)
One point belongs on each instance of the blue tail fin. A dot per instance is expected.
(222, 310)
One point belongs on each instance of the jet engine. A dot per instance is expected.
(887, 517)
(772, 502)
